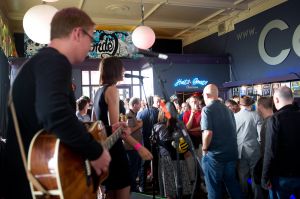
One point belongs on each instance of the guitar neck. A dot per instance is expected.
(112, 139)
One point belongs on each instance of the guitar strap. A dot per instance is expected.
(30, 177)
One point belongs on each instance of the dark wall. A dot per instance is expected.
(167, 46)
(169, 73)
(242, 44)
(4, 89)
(19, 42)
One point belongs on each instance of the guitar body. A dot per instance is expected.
(65, 174)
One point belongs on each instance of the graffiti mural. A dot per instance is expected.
(110, 43)
(31, 47)
(106, 44)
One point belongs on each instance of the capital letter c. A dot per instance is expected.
(281, 25)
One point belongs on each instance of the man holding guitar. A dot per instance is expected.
(43, 99)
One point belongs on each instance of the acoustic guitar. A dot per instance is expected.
(62, 172)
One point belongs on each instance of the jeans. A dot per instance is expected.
(284, 187)
(134, 166)
(216, 173)
(245, 170)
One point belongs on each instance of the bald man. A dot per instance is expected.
(219, 147)
(281, 173)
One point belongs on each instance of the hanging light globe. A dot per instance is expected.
(36, 23)
(143, 37)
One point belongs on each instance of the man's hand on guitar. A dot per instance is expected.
(145, 153)
(102, 163)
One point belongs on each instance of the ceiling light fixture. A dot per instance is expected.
(143, 37)
(36, 22)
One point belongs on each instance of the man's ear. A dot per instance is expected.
(276, 100)
(75, 34)
(207, 95)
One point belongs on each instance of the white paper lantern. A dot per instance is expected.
(143, 37)
(36, 23)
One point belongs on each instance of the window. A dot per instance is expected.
(129, 87)
(148, 82)
(90, 83)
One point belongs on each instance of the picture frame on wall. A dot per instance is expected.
(249, 91)
(266, 90)
(257, 90)
(236, 91)
(275, 86)
(287, 84)
(295, 87)
(243, 91)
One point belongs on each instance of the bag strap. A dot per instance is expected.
(30, 176)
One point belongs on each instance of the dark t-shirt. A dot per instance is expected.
(217, 118)
(43, 98)
(149, 119)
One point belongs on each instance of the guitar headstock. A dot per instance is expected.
(97, 129)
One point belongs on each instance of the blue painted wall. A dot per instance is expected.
(169, 73)
(242, 44)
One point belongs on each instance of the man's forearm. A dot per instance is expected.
(190, 122)
(138, 125)
(206, 139)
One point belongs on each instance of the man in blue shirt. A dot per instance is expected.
(149, 118)
(219, 146)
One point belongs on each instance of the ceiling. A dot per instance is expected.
(189, 20)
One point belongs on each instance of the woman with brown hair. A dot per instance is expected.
(106, 109)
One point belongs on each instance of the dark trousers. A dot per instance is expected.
(146, 165)
(284, 187)
(134, 167)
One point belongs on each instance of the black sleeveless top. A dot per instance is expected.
(119, 176)
(100, 106)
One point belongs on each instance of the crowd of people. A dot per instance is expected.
(245, 153)
(229, 138)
